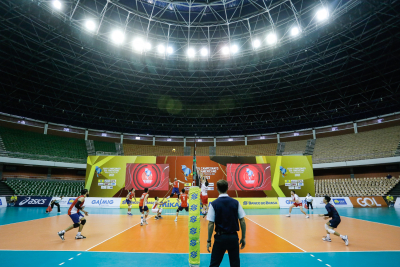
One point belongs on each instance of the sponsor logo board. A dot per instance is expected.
(33, 201)
(3, 202)
(259, 203)
(368, 202)
(397, 203)
(107, 202)
(339, 202)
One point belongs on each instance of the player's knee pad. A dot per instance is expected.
(177, 210)
(76, 225)
(331, 231)
(83, 222)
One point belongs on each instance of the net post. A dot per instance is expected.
(194, 226)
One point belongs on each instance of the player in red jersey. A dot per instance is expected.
(184, 205)
(77, 218)
(156, 208)
(175, 189)
(131, 194)
(204, 196)
(296, 203)
(143, 206)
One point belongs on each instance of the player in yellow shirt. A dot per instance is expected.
(390, 200)
(13, 200)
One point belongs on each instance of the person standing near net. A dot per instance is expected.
(309, 200)
(131, 194)
(144, 210)
(225, 213)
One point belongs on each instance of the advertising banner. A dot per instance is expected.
(151, 176)
(65, 201)
(259, 203)
(171, 203)
(3, 202)
(194, 226)
(106, 202)
(249, 176)
(368, 202)
(338, 202)
(397, 203)
(32, 201)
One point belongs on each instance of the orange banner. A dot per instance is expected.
(368, 202)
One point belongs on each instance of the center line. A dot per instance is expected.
(71, 259)
(115, 235)
(328, 265)
(320, 260)
(61, 263)
(79, 254)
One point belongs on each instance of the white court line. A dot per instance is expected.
(369, 221)
(79, 254)
(61, 263)
(312, 255)
(328, 265)
(277, 235)
(71, 259)
(116, 235)
(319, 260)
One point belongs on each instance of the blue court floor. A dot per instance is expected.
(15, 258)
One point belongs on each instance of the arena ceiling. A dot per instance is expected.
(205, 67)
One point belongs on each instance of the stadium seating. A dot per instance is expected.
(295, 147)
(104, 147)
(30, 145)
(250, 150)
(45, 188)
(148, 150)
(357, 187)
(365, 145)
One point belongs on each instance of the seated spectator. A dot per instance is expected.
(13, 200)
(388, 176)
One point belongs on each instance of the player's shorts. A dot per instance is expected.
(297, 204)
(334, 223)
(156, 210)
(175, 191)
(128, 202)
(76, 217)
(145, 208)
(204, 199)
(181, 208)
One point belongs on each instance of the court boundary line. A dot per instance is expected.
(115, 235)
(33, 219)
(314, 252)
(370, 221)
(277, 235)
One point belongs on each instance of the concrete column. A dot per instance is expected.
(314, 136)
(86, 134)
(351, 173)
(245, 140)
(1, 171)
(154, 141)
(48, 173)
(215, 142)
(355, 127)
(278, 137)
(46, 126)
(184, 141)
(122, 138)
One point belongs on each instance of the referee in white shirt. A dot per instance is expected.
(225, 212)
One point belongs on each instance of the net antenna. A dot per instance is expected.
(195, 175)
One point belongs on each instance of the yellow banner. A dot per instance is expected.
(194, 226)
(170, 203)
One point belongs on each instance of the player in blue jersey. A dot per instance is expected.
(333, 223)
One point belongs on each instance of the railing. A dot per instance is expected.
(44, 157)
(373, 155)
(102, 153)
(292, 153)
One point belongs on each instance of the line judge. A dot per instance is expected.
(225, 212)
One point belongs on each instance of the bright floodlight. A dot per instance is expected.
(161, 49)
(295, 31)
(170, 50)
(256, 43)
(322, 14)
(204, 52)
(234, 49)
(90, 25)
(117, 37)
(147, 46)
(272, 39)
(190, 52)
(57, 4)
(225, 50)
(138, 44)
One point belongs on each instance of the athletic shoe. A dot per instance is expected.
(130, 214)
(156, 218)
(327, 239)
(61, 235)
(176, 219)
(59, 212)
(346, 240)
(205, 214)
(146, 222)
(288, 215)
(141, 224)
(160, 217)
(307, 217)
(80, 237)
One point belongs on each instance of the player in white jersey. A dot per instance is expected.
(296, 203)
(157, 207)
(204, 196)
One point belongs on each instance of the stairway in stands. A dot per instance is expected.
(5, 190)
(397, 153)
(119, 148)
(310, 147)
(3, 151)
(280, 149)
(395, 190)
(91, 151)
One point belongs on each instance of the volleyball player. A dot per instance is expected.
(175, 189)
(77, 218)
(333, 223)
(157, 208)
(131, 194)
(204, 196)
(296, 203)
(183, 205)
(143, 206)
